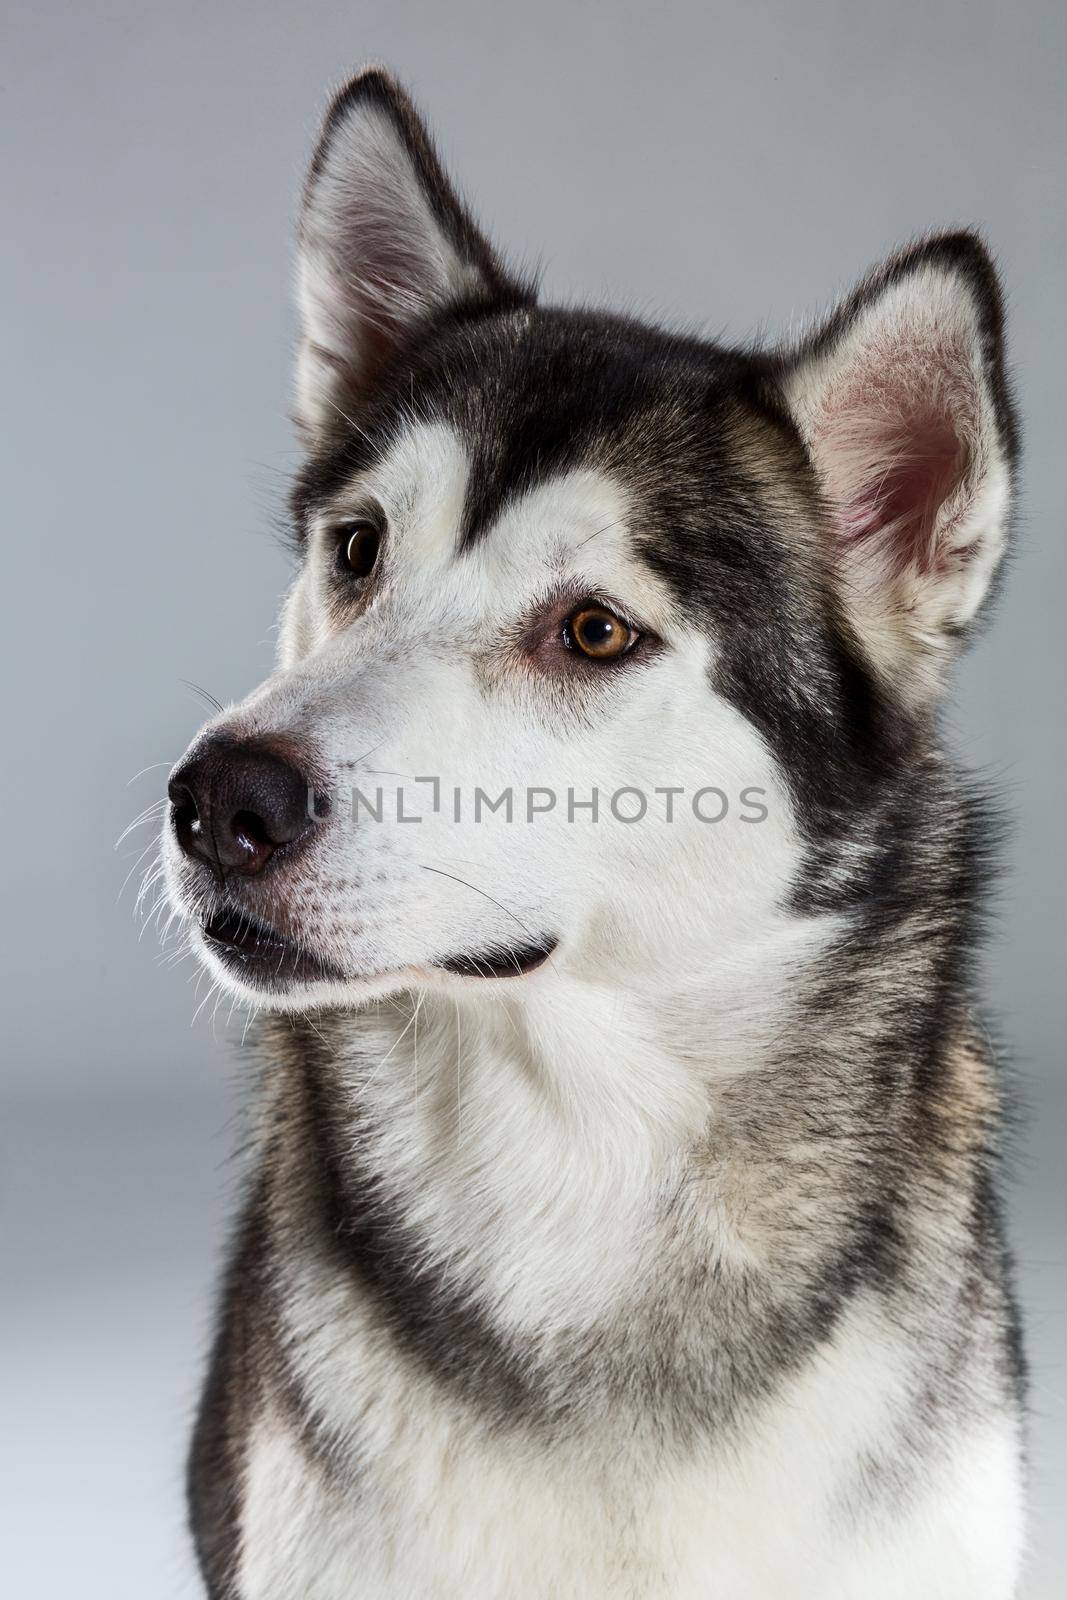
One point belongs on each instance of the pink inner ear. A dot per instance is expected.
(913, 469)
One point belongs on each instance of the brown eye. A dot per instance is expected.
(359, 548)
(598, 633)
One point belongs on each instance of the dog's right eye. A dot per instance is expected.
(358, 548)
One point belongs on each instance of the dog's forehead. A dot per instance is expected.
(573, 525)
(539, 394)
(425, 483)
(656, 467)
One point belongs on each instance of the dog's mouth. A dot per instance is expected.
(501, 961)
(260, 954)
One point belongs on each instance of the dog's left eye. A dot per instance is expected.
(598, 633)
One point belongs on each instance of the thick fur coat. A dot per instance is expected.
(621, 1214)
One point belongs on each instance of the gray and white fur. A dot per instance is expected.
(621, 1216)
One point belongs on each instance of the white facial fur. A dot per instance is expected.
(423, 684)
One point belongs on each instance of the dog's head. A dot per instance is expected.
(601, 636)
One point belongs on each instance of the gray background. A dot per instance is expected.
(733, 165)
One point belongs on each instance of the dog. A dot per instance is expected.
(622, 1208)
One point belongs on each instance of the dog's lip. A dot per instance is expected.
(269, 959)
(247, 943)
(501, 961)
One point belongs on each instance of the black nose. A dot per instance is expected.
(235, 804)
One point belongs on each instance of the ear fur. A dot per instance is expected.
(903, 403)
(385, 246)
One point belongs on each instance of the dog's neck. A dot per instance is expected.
(591, 1177)
(525, 1145)
(614, 1068)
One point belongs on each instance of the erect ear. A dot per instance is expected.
(902, 401)
(384, 247)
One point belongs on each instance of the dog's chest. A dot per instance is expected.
(662, 1441)
(491, 1525)
(432, 1506)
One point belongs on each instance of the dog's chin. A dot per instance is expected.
(300, 995)
(275, 972)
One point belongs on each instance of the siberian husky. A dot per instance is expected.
(622, 1215)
